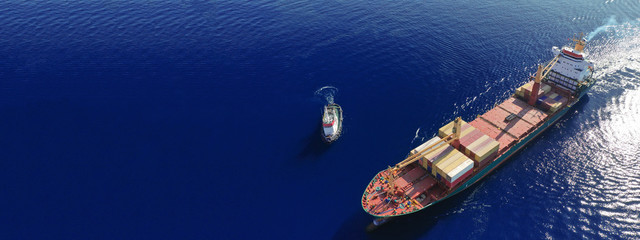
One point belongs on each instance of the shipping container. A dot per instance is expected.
(447, 129)
(468, 139)
(469, 149)
(455, 183)
(426, 144)
(442, 157)
(486, 150)
(460, 171)
(552, 102)
(442, 165)
(525, 90)
(440, 151)
(482, 148)
(503, 138)
(453, 165)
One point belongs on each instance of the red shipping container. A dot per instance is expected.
(471, 137)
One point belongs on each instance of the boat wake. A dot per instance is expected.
(328, 93)
(611, 22)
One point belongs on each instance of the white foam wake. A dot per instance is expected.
(327, 92)
(611, 22)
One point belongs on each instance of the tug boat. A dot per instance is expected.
(331, 122)
(462, 153)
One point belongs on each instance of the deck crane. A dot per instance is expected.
(455, 136)
(541, 74)
(457, 129)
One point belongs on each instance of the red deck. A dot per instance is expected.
(420, 187)
(524, 111)
(516, 126)
(409, 177)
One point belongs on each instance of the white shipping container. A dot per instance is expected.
(463, 168)
(426, 144)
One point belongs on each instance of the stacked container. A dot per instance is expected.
(455, 174)
(552, 101)
(525, 90)
(440, 157)
(470, 138)
(502, 137)
(452, 159)
(447, 130)
(474, 143)
(443, 160)
(427, 159)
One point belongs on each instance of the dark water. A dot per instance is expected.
(200, 119)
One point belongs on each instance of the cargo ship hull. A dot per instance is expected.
(463, 153)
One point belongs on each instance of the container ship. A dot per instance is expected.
(463, 153)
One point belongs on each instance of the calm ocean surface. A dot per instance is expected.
(200, 119)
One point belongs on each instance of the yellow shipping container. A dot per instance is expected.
(425, 164)
(446, 162)
(520, 92)
(490, 148)
(454, 165)
(475, 144)
(447, 130)
(449, 152)
(555, 107)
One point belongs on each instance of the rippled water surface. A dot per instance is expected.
(200, 119)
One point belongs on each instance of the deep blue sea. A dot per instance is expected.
(163, 119)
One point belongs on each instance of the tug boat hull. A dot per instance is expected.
(331, 122)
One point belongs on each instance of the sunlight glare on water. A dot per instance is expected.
(605, 152)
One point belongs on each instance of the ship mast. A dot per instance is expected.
(541, 74)
(580, 43)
